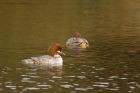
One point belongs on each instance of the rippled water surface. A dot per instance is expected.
(110, 65)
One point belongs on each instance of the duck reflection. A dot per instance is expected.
(47, 69)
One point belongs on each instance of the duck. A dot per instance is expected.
(76, 41)
(52, 59)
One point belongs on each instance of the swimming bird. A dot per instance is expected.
(77, 41)
(52, 59)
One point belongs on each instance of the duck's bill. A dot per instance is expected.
(61, 53)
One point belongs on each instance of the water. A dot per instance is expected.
(109, 65)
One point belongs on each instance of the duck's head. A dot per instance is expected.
(55, 49)
(77, 34)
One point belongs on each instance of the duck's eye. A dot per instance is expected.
(59, 49)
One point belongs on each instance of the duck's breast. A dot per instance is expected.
(57, 60)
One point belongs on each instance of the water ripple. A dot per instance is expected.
(44, 85)
(11, 86)
(31, 88)
(66, 86)
(56, 77)
(81, 89)
(27, 80)
(81, 77)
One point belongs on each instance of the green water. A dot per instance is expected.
(109, 65)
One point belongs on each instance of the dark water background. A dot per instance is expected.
(110, 65)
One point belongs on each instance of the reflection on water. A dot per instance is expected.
(83, 77)
(109, 65)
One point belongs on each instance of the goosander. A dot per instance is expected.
(77, 41)
(53, 59)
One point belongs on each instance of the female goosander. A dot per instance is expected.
(53, 59)
(77, 41)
